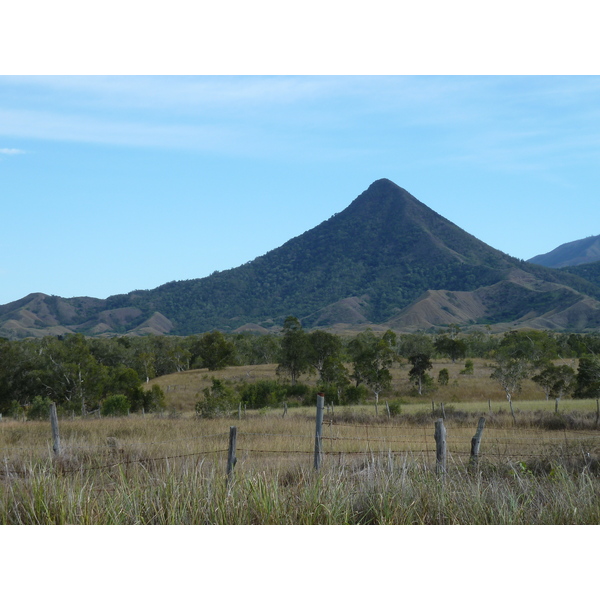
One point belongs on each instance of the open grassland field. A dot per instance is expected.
(472, 393)
(171, 469)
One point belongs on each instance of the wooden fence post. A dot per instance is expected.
(475, 443)
(319, 430)
(240, 411)
(440, 447)
(231, 459)
(55, 433)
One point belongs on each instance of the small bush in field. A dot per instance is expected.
(443, 377)
(117, 405)
(469, 367)
(395, 407)
(154, 399)
(218, 401)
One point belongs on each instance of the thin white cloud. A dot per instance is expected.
(11, 151)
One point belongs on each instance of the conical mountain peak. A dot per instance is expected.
(370, 263)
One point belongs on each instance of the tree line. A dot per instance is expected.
(83, 375)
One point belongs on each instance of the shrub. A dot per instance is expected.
(152, 400)
(443, 377)
(299, 390)
(395, 407)
(115, 406)
(264, 392)
(218, 401)
(468, 370)
(354, 394)
(39, 409)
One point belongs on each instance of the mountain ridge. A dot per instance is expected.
(385, 260)
(571, 254)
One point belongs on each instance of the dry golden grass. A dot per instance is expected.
(172, 470)
(474, 392)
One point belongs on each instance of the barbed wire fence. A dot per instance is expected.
(460, 446)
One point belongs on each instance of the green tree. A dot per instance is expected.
(564, 385)
(115, 406)
(453, 348)
(469, 368)
(295, 350)
(556, 381)
(16, 383)
(443, 377)
(264, 392)
(421, 363)
(372, 358)
(69, 374)
(411, 344)
(324, 350)
(588, 378)
(213, 351)
(218, 400)
(535, 347)
(510, 372)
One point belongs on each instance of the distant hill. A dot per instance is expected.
(571, 254)
(387, 260)
(588, 271)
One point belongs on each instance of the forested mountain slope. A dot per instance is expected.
(588, 271)
(378, 261)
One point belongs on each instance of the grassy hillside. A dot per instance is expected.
(470, 393)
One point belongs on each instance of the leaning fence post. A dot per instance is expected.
(231, 459)
(475, 443)
(319, 429)
(440, 447)
(55, 433)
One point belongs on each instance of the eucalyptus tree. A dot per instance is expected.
(295, 350)
(213, 351)
(510, 372)
(588, 378)
(411, 344)
(372, 357)
(324, 350)
(68, 373)
(421, 363)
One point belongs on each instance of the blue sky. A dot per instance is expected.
(111, 184)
